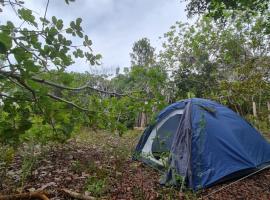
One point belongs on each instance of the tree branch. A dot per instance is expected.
(43, 81)
(17, 77)
(14, 98)
(4, 95)
(86, 86)
(45, 13)
(67, 102)
(21, 82)
(31, 195)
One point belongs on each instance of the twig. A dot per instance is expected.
(45, 13)
(13, 7)
(77, 195)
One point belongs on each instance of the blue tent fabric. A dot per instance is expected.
(170, 108)
(223, 144)
(212, 142)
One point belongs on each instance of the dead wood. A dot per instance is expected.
(77, 195)
(31, 195)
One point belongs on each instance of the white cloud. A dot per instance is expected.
(114, 25)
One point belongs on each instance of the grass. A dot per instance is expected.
(103, 160)
(121, 149)
(117, 146)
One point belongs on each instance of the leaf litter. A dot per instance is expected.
(106, 171)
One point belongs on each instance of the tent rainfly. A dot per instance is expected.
(199, 143)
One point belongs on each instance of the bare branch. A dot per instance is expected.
(32, 195)
(67, 102)
(2, 95)
(86, 86)
(45, 13)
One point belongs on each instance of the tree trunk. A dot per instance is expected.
(268, 107)
(138, 121)
(143, 120)
(254, 109)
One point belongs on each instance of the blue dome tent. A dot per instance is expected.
(200, 143)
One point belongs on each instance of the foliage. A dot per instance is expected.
(145, 81)
(6, 157)
(226, 62)
(149, 90)
(41, 100)
(33, 57)
(218, 8)
(97, 187)
(223, 56)
(143, 54)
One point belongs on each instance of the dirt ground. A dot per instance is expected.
(99, 165)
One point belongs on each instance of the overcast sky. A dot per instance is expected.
(114, 25)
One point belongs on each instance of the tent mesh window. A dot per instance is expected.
(163, 141)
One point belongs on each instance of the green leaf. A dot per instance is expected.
(30, 66)
(52, 32)
(69, 30)
(78, 53)
(67, 1)
(19, 54)
(72, 25)
(44, 20)
(98, 56)
(87, 42)
(27, 15)
(78, 21)
(5, 42)
(80, 34)
(59, 24)
(54, 20)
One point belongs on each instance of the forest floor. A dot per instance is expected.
(99, 164)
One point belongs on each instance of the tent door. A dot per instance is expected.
(159, 141)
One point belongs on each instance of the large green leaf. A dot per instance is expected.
(20, 54)
(5, 42)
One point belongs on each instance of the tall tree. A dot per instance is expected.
(227, 62)
(143, 54)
